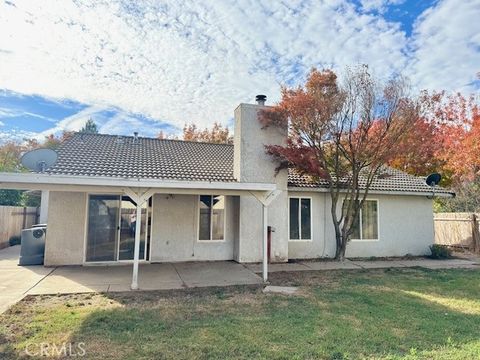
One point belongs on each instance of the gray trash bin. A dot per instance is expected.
(32, 250)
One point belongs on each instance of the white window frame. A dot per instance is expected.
(300, 218)
(361, 223)
(211, 222)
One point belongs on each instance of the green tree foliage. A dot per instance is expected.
(11, 197)
(90, 127)
(467, 198)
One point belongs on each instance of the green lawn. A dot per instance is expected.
(376, 314)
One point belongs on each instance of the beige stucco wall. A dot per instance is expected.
(405, 227)
(66, 228)
(175, 230)
(322, 244)
(251, 229)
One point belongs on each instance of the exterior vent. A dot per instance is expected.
(260, 99)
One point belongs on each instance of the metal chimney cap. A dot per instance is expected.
(260, 99)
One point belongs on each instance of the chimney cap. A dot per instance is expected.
(260, 99)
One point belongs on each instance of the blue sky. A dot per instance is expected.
(150, 66)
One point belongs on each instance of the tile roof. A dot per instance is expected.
(127, 157)
(149, 158)
(390, 180)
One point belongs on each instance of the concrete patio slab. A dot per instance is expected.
(16, 280)
(217, 273)
(167, 276)
(78, 279)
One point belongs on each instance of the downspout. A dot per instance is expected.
(265, 243)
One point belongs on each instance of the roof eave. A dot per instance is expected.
(377, 192)
(36, 181)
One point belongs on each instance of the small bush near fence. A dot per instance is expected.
(440, 252)
(14, 240)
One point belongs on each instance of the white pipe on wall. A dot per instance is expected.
(265, 243)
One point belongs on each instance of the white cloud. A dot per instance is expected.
(10, 112)
(74, 122)
(19, 136)
(190, 61)
(446, 46)
(2, 123)
(379, 5)
(178, 62)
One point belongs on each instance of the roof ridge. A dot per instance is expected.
(149, 138)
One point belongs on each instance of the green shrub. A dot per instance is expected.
(14, 240)
(440, 251)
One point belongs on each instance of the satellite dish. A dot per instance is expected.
(39, 160)
(433, 179)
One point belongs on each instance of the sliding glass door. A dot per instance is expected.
(111, 228)
(128, 225)
(102, 228)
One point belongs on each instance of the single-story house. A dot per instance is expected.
(135, 199)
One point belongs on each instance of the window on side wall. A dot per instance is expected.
(211, 217)
(300, 222)
(365, 226)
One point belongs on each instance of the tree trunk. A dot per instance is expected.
(338, 249)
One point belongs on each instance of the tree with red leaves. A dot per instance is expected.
(343, 133)
(217, 134)
(444, 139)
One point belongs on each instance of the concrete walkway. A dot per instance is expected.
(368, 264)
(16, 281)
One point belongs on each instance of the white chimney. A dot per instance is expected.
(251, 163)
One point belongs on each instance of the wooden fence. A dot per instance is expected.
(458, 230)
(13, 219)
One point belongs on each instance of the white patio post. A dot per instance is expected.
(136, 252)
(265, 243)
(139, 198)
(265, 199)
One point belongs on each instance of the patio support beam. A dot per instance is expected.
(265, 199)
(136, 251)
(139, 197)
